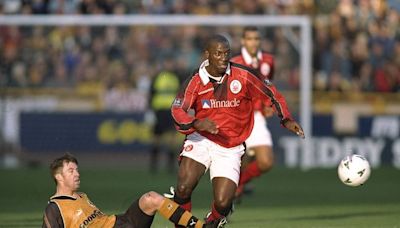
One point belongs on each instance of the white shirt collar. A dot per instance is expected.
(247, 57)
(205, 76)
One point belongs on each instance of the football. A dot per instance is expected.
(354, 170)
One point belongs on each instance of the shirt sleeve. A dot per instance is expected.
(265, 90)
(183, 102)
(52, 217)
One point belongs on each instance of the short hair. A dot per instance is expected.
(58, 163)
(249, 29)
(216, 39)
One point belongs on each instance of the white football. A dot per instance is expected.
(354, 170)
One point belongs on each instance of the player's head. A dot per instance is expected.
(65, 171)
(251, 40)
(217, 52)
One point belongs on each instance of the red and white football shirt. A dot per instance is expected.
(263, 63)
(228, 102)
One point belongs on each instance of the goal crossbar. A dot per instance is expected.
(159, 20)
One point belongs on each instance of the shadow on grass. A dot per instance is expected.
(339, 216)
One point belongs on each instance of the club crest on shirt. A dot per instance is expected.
(188, 148)
(265, 69)
(235, 86)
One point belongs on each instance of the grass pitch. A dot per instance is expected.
(282, 198)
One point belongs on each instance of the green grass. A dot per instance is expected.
(282, 198)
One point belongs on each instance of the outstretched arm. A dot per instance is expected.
(294, 127)
(266, 90)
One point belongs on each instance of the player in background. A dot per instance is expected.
(222, 94)
(69, 208)
(259, 144)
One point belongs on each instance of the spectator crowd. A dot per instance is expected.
(356, 44)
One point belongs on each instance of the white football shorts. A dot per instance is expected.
(260, 135)
(221, 161)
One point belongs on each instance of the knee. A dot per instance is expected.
(183, 190)
(222, 202)
(150, 201)
(265, 165)
(265, 162)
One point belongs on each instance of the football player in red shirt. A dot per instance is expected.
(221, 94)
(259, 142)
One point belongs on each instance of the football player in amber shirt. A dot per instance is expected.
(222, 96)
(69, 208)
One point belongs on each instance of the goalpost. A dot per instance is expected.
(302, 22)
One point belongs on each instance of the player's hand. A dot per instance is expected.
(294, 127)
(268, 111)
(206, 125)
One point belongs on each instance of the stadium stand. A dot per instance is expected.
(357, 44)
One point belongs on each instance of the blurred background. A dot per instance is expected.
(87, 89)
(93, 91)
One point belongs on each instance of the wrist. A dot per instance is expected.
(284, 121)
(194, 123)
